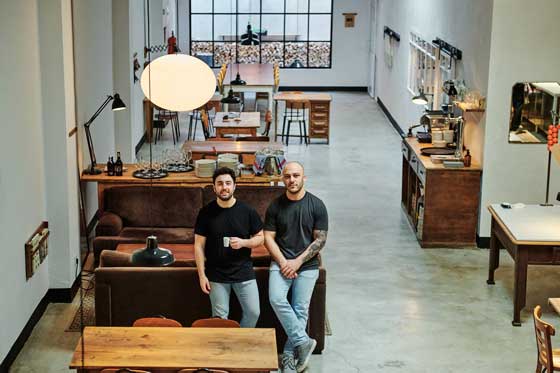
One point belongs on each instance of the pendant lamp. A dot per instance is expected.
(152, 255)
(178, 82)
(230, 98)
(238, 80)
(297, 64)
(250, 38)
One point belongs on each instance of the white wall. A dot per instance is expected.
(57, 86)
(136, 45)
(464, 24)
(93, 42)
(22, 186)
(524, 48)
(350, 48)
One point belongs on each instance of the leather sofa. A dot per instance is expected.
(124, 293)
(132, 213)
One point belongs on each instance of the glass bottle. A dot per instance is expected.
(118, 165)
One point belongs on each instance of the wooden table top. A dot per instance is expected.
(531, 225)
(427, 161)
(285, 96)
(555, 304)
(185, 252)
(248, 349)
(236, 147)
(256, 74)
(173, 178)
(248, 119)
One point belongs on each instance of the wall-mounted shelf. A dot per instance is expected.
(391, 33)
(36, 249)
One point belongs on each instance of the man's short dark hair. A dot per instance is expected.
(223, 171)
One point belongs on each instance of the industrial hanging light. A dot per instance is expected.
(231, 98)
(152, 255)
(250, 38)
(297, 64)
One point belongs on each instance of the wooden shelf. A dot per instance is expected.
(464, 107)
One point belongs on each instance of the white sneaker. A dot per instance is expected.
(304, 352)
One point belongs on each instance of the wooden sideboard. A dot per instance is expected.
(441, 203)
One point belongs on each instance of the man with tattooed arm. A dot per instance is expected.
(295, 230)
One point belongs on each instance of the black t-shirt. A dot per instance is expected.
(224, 264)
(294, 223)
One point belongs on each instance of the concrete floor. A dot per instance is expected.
(392, 306)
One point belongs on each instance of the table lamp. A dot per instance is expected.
(118, 105)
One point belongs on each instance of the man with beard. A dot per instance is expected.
(295, 230)
(225, 232)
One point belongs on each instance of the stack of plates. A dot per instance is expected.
(230, 161)
(205, 167)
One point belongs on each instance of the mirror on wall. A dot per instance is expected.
(532, 108)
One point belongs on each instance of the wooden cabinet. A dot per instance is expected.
(441, 203)
(319, 113)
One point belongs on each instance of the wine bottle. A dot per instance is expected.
(118, 165)
(110, 167)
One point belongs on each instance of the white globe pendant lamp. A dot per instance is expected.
(178, 82)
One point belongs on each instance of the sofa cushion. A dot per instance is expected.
(167, 235)
(109, 224)
(160, 206)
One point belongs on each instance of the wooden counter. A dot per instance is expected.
(440, 203)
(185, 179)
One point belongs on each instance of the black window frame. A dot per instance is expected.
(260, 14)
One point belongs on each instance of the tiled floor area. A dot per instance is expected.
(392, 306)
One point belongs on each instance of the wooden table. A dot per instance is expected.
(259, 78)
(172, 349)
(531, 235)
(319, 112)
(555, 304)
(185, 252)
(202, 148)
(215, 102)
(185, 179)
(248, 124)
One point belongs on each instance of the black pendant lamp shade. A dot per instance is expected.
(230, 98)
(152, 255)
(238, 80)
(250, 38)
(297, 64)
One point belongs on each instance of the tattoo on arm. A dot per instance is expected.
(317, 245)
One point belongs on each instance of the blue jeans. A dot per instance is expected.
(293, 317)
(247, 293)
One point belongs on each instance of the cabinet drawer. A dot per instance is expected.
(319, 123)
(319, 115)
(414, 162)
(319, 130)
(405, 150)
(324, 106)
(421, 172)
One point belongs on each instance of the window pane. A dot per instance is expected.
(249, 6)
(224, 27)
(201, 28)
(224, 6)
(272, 53)
(296, 6)
(272, 6)
(319, 54)
(320, 6)
(320, 27)
(296, 27)
(272, 27)
(201, 6)
(224, 53)
(248, 53)
(244, 20)
(296, 51)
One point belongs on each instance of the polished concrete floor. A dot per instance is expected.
(392, 306)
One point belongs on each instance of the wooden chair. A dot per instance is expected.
(157, 322)
(548, 360)
(268, 122)
(215, 322)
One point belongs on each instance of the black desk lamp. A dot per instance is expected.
(118, 104)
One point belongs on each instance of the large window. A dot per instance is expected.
(292, 33)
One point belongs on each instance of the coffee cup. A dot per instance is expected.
(226, 241)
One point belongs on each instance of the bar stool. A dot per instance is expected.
(295, 112)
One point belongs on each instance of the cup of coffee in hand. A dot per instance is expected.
(226, 241)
